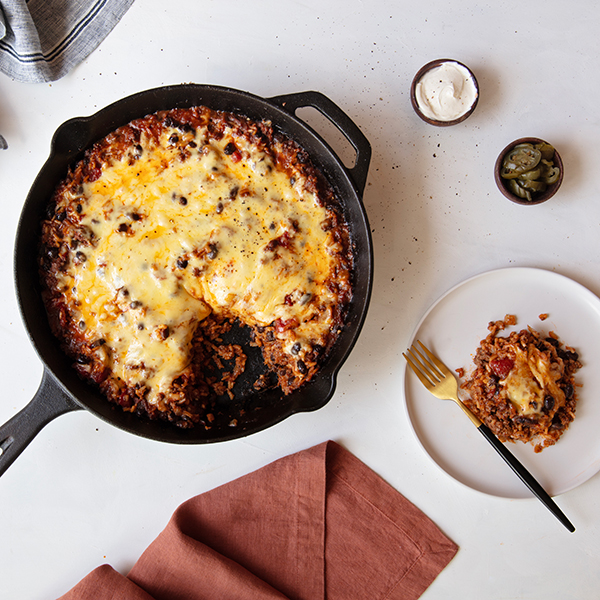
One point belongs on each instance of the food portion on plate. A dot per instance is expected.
(172, 229)
(523, 385)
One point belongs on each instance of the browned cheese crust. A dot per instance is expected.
(171, 229)
(523, 386)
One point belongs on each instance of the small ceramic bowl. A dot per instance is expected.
(503, 184)
(413, 93)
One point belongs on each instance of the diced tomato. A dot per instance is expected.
(124, 400)
(94, 171)
(284, 240)
(501, 367)
(282, 325)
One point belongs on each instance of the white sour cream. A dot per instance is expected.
(446, 92)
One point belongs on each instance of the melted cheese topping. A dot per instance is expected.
(175, 237)
(529, 382)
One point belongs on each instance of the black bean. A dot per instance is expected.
(182, 263)
(233, 192)
(296, 348)
(548, 402)
(135, 304)
(173, 139)
(229, 149)
(50, 211)
(80, 256)
(569, 390)
(98, 343)
(302, 367)
(213, 251)
(219, 208)
(183, 201)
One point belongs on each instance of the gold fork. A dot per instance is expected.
(442, 383)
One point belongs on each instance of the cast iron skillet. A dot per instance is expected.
(61, 390)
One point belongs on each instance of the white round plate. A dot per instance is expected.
(453, 328)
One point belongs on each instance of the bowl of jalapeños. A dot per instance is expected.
(529, 171)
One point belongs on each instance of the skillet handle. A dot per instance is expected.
(330, 110)
(48, 403)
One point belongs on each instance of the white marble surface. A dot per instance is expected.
(84, 493)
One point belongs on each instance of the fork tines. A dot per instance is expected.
(432, 370)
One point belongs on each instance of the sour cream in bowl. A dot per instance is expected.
(444, 92)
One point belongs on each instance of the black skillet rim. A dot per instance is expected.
(69, 143)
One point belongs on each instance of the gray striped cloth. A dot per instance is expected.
(42, 40)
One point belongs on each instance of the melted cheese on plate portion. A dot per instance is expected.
(530, 381)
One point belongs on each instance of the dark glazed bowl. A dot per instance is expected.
(503, 183)
(413, 95)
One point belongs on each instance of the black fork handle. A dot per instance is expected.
(525, 476)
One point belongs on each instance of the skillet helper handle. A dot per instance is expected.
(526, 477)
(48, 403)
(330, 110)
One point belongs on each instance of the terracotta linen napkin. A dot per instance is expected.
(315, 525)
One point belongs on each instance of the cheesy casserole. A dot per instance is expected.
(523, 385)
(171, 229)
